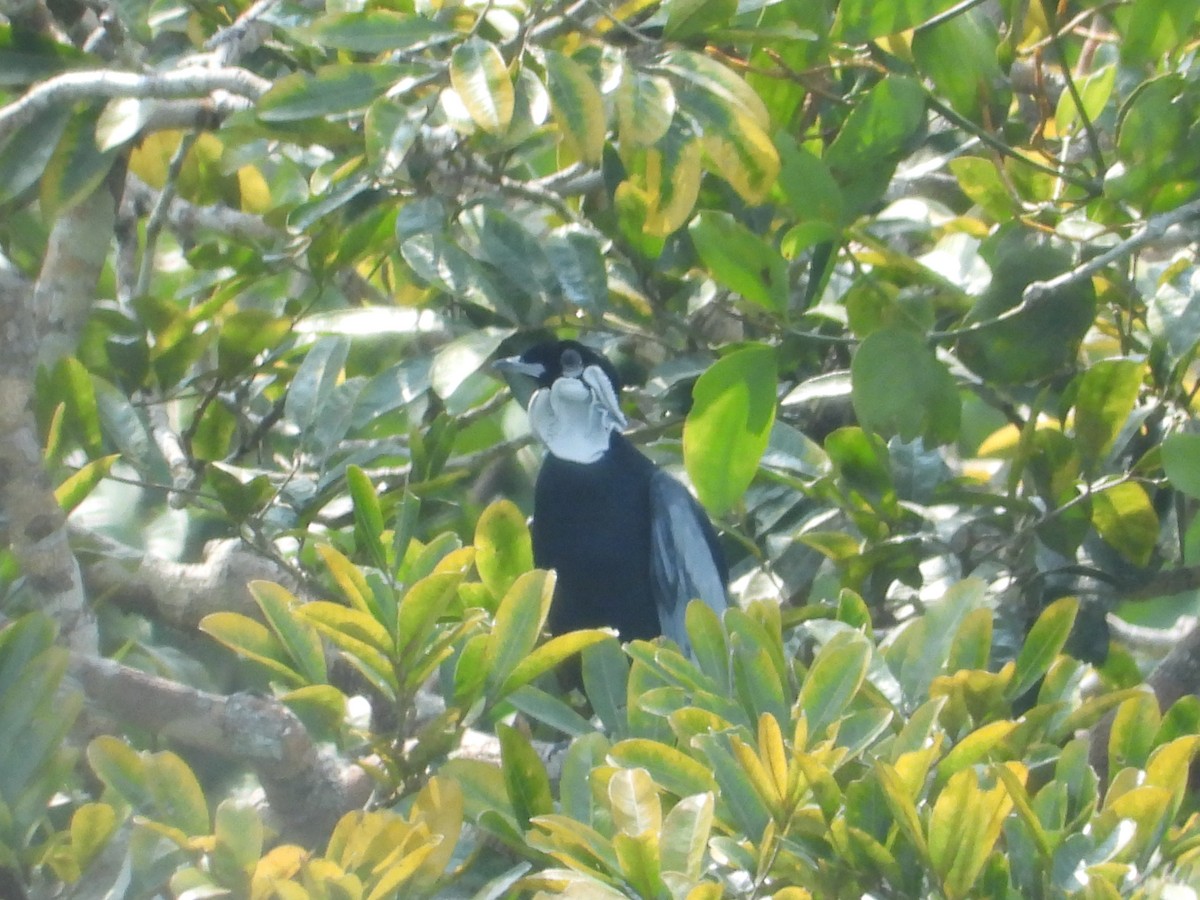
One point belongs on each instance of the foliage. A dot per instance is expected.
(908, 290)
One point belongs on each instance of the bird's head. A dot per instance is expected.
(575, 404)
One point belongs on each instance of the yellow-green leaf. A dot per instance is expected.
(645, 107)
(77, 486)
(577, 105)
(481, 80)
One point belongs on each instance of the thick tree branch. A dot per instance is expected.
(177, 594)
(307, 789)
(71, 87)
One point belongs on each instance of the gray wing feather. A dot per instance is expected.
(683, 566)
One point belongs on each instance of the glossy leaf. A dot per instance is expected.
(374, 31)
(75, 489)
(741, 260)
(645, 106)
(1126, 520)
(900, 388)
(1043, 643)
(525, 777)
(860, 21)
(1107, 393)
(670, 768)
(254, 641)
(577, 106)
(549, 655)
(503, 550)
(578, 264)
(481, 80)
(328, 91)
(519, 619)
(297, 637)
(636, 807)
(729, 425)
(1181, 462)
(833, 679)
(963, 828)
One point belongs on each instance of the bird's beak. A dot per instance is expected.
(514, 365)
(602, 391)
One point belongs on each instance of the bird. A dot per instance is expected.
(629, 543)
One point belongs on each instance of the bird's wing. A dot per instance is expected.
(686, 562)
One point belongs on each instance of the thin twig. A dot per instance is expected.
(158, 214)
(1039, 291)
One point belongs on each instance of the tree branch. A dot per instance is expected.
(71, 87)
(307, 789)
(1038, 292)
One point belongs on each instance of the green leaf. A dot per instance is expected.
(92, 825)
(635, 805)
(729, 425)
(708, 643)
(645, 107)
(549, 655)
(808, 185)
(245, 335)
(29, 736)
(481, 80)
(1125, 518)
(638, 857)
(75, 489)
(252, 640)
(741, 260)
(280, 608)
(121, 769)
(577, 105)
(503, 549)
(673, 769)
(315, 382)
(575, 786)
(77, 165)
(25, 155)
(694, 18)
(1039, 340)
(834, 678)
(1149, 30)
(550, 710)
(335, 619)
(518, 622)
(374, 31)
(973, 749)
(1181, 462)
(328, 91)
(860, 21)
(27, 56)
(963, 829)
(1043, 644)
(178, 800)
(423, 604)
(874, 137)
(960, 56)
(79, 393)
(1132, 735)
(1107, 393)
(605, 677)
(368, 515)
(899, 387)
(685, 835)
(525, 777)
(578, 264)
(456, 361)
(981, 180)
(738, 797)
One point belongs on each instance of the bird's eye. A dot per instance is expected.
(572, 362)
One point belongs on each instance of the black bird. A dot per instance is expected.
(630, 545)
